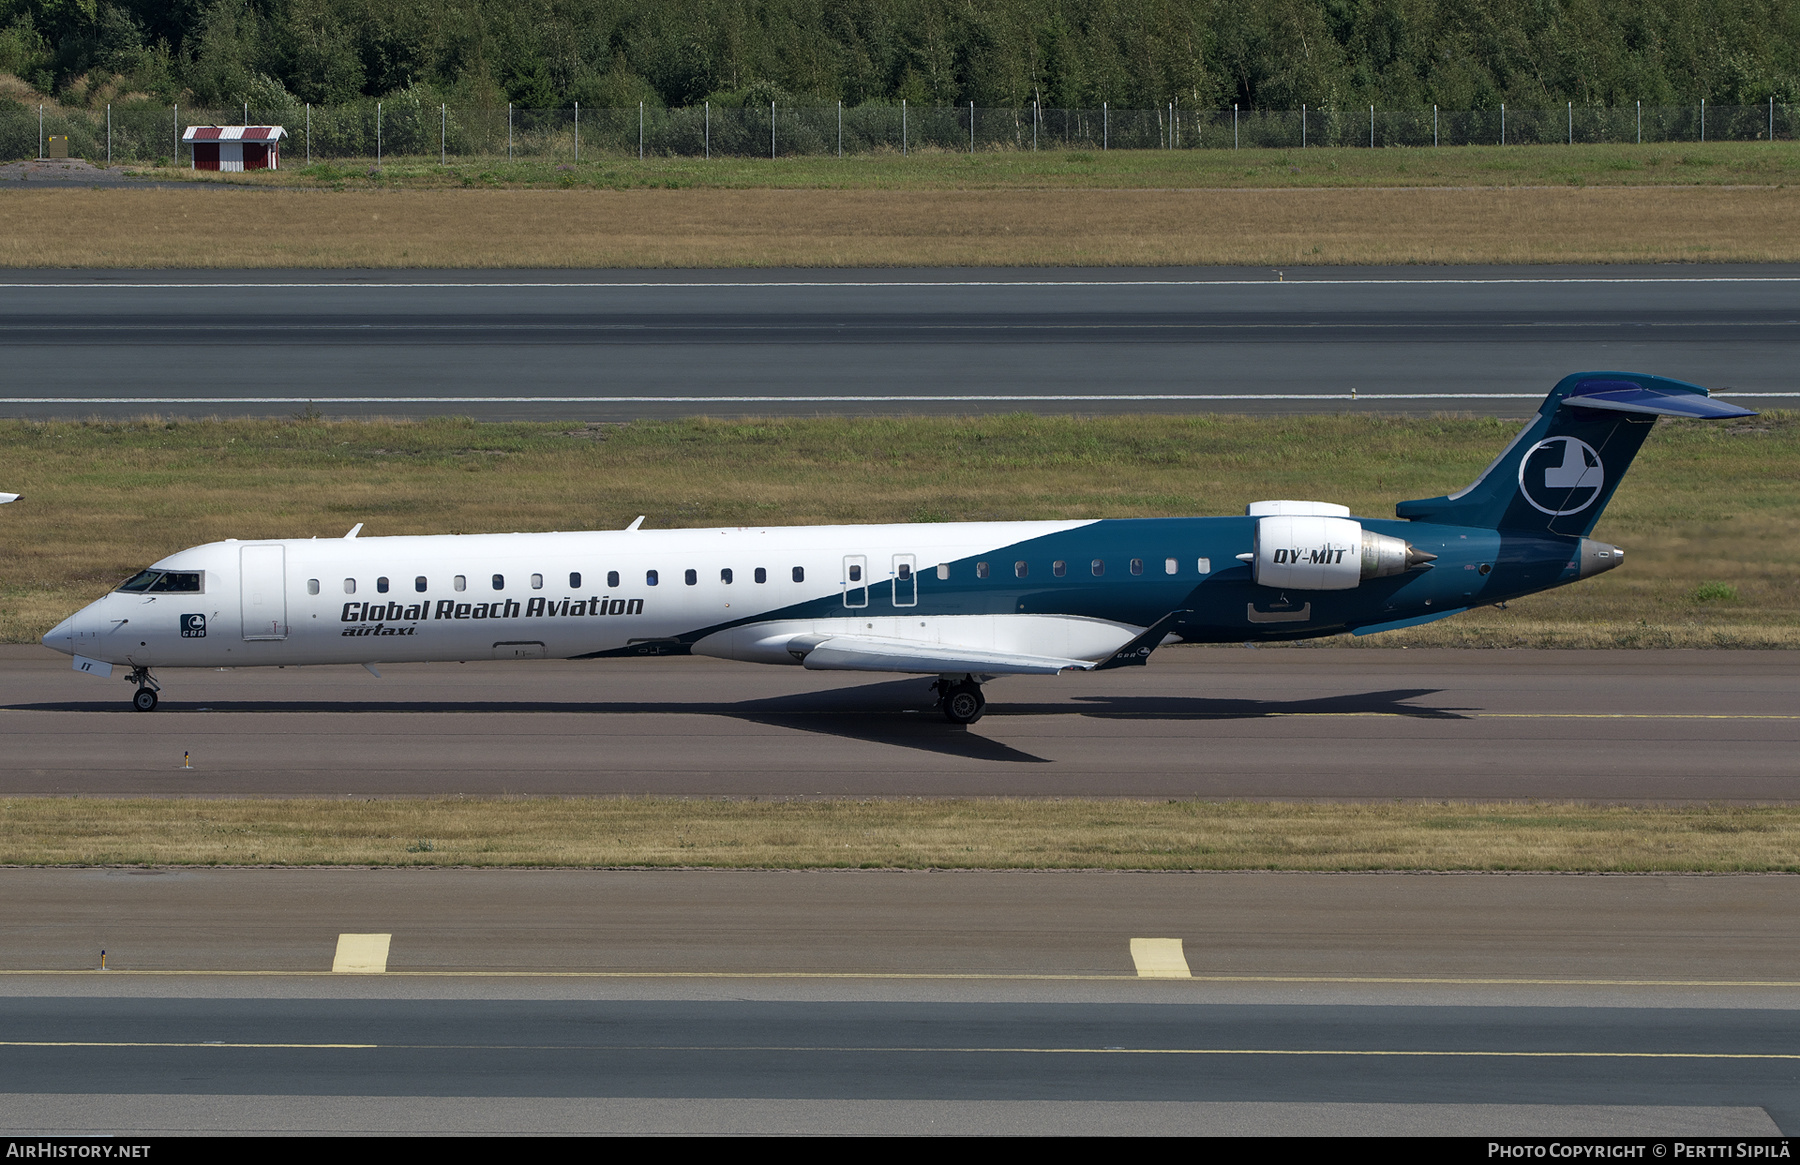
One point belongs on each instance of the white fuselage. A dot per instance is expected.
(564, 595)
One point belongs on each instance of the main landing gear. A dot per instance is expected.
(144, 700)
(961, 700)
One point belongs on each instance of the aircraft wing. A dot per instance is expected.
(868, 653)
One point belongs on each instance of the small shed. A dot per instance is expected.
(234, 147)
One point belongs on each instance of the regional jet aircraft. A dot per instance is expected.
(964, 602)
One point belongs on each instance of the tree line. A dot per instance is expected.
(1270, 54)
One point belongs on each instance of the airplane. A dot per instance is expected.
(964, 602)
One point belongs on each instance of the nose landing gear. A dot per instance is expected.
(961, 700)
(144, 700)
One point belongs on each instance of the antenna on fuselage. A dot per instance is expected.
(354, 530)
(635, 524)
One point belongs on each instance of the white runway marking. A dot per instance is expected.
(922, 398)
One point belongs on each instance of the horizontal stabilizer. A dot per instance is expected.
(1622, 396)
(868, 653)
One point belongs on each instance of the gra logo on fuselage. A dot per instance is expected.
(1561, 475)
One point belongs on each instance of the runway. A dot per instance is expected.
(1335, 723)
(620, 345)
(853, 1001)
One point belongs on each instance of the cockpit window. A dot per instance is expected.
(183, 582)
(164, 582)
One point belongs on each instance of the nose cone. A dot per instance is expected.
(62, 636)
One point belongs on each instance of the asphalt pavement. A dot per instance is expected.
(620, 345)
(872, 1001)
(1338, 723)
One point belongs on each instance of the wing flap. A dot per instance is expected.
(868, 653)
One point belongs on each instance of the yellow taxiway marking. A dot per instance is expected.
(1636, 716)
(1159, 958)
(870, 1049)
(361, 954)
(950, 976)
(1426, 713)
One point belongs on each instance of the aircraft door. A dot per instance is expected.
(906, 581)
(856, 580)
(262, 580)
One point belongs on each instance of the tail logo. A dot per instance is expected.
(1561, 475)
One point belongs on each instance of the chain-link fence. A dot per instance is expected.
(381, 131)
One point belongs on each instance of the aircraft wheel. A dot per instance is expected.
(144, 700)
(964, 703)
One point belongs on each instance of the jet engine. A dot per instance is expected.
(1312, 552)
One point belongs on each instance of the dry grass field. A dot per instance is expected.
(1710, 514)
(477, 228)
(910, 834)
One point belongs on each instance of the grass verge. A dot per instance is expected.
(587, 228)
(913, 834)
(1615, 164)
(1710, 515)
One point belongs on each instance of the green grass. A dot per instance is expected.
(1707, 506)
(1673, 164)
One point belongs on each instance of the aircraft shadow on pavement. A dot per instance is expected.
(894, 712)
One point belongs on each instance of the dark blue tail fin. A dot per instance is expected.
(1560, 471)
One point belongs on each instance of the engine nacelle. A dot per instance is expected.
(1318, 553)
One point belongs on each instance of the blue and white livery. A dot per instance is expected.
(964, 602)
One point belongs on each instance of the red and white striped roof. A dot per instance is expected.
(233, 133)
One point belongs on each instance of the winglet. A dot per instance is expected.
(354, 530)
(1137, 652)
(639, 521)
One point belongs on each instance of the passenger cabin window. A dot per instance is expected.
(1020, 570)
(1059, 568)
(499, 582)
(349, 586)
(1204, 565)
(799, 574)
(574, 580)
(1137, 566)
(1098, 566)
(981, 570)
(537, 582)
(381, 585)
(725, 576)
(943, 570)
(312, 586)
(419, 584)
(612, 578)
(762, 576)
(906, 582)
(460, 583)
(1170, 566)
(691, 577)
(649, 578)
